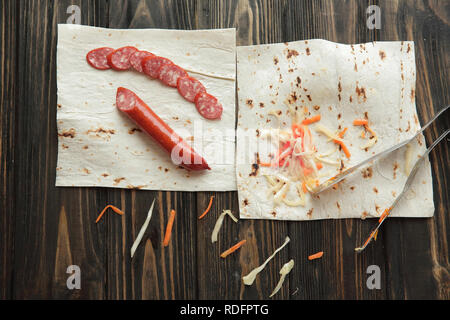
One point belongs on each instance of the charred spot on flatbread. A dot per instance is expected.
(249, 103)
(68, 133)
(291, 53)
(367, 173)
(133, 130)
(361, 93)
(382, 54)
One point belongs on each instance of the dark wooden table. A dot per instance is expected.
(44, 229)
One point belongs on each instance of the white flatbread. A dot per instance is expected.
(341, 83)
(99, 146)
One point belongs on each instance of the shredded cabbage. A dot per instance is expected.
(285, 269)
(219, 222)
(142, 231)
(250, 278)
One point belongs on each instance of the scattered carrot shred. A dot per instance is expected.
(115, 209)
(311, 120)
(341, 134)
(317, 255)
(375, 235)
(344, 148)
(319, 165)
(304, 187)
(265, 164)
(207, 209)
(233, 248)
(384, 214)
(169, 228)
(360, 122)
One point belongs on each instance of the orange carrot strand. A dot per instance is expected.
(101, 213)
(207, 209)
(304, 187)
(341, 134)
(384, 215)
(316, 255)
(233, 248)
(115, 209)
(311, 120)
(344, 148)
(360, 122)
(169, 228)
(319, 165)
(265, 164)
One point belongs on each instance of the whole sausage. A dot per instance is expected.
(136, 109)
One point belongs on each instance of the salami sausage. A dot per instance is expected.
(208, 106)
(137, 57)
(97, 58)
(136, 109)
(151, 65)
(189, 87)
(120, 59)
(170, 73)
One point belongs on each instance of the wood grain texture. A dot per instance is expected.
(8, 24)
(44, 229)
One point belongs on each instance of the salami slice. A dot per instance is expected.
(120, 59)
(208, 106)
(170, 73)
(189, 87)
(151, 65)
(97, 58)
(137, 57)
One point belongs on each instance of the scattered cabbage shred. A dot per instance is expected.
(250, 278)
(287, 267)
(219, 223)
(142, 231)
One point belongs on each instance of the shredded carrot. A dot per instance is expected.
(319, 165)
(169, 228)
(233, 248)
(307, 171)
(360, 122)
(385, 214)
(344, 148)
(316, 255)
(304, 187)
(265, 164)
(298, 127)
(363, 134)
(375, 236)
(115, 209)
(311, 120)
(207, 209)
(341, 134)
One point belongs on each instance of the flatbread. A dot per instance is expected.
(99, 146)
(341, 83)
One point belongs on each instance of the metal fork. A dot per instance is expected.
(338, 178)
(408, 184)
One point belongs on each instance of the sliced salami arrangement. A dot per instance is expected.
(120, 59)
(189, 87)
(137, 57)
(97, 58)
(161, 68)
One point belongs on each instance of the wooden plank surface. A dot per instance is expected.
(45, 229)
